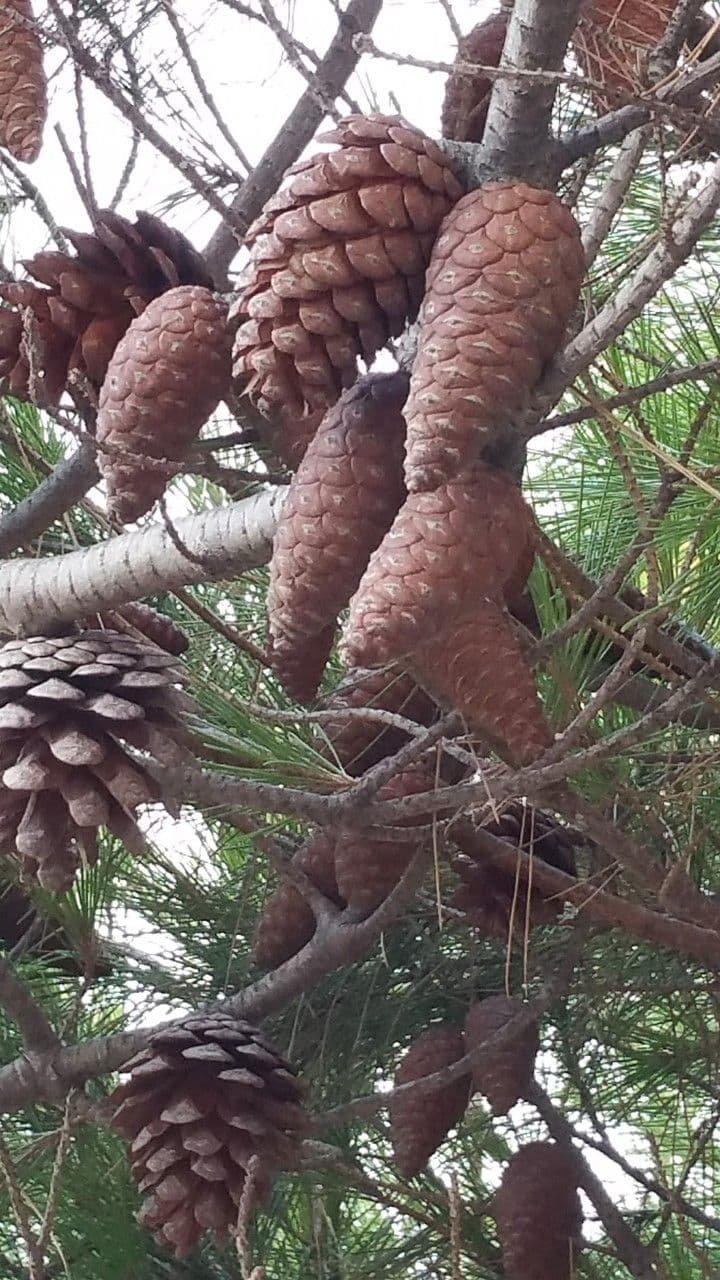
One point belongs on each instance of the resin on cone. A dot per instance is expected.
(208, 1096)
(467, 95)
(359, 743)
(167, 375)
(420, 1122)
(23, 84)
(341, 503)
(504, 1074)
(539, 1215)
(287, 921)
(612, 41)
(503, 282)
(83, 303)
(338, 265)
(69, 707)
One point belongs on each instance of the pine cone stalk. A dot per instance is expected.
(538, 1213)
(420, 1122)
(23, 84)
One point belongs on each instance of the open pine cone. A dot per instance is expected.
(505, 1073)
(338, 265)
(23, 84)
(287, 922)
(359, 744)
(341, 503)
(467, 96)
(420, 1123)
(502, 284)
(207, 1097)
(167, 375)
(538, 1212)
(84, 303)
(69, 708)
(612, 41)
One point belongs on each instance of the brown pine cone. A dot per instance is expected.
(88, 300)
(539, 1215)
(148, 622)
(287, 922)
(503, 282)
(444, 549)
(467, 97)
(23, 85)
(368, 870)
(341, 503)
(207, 1097)
(420, 1123)
(68, 707)
(505, 1074)
(338, 263)
(612, 41)
(359, 744)
(166, 377)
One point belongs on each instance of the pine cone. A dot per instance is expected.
(359, 744)
(444, 549)
(612, 41)
(505, 1074)
(148, 622)
(538, 1213)
(503, 281)
(287, 922)
(368, 870)
(420, 1123)
(338, 265)
(68, 707)
(467, 97)
(166, 377)
(202, 1101)
(341, 503)
(88, 301)
(23, 85)
(50, 940)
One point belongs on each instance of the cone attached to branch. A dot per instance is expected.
(538, 1212)
(83, 303)
(360, 743)
(612, 41)
(207, 1098)
(504, 1074)
(69, 709)
(503, 282)
(287, 922)
(338, 264)
(420, 1122)
(166, 377)
(341, 503)
(23, 84)
(467, 95)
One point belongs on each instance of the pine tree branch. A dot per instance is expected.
(19, 1003)
(68, 484)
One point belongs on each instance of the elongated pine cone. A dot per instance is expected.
(83, 303)
(341, 503)
(420, 1123)
(69, 708)
(206, 1098)
(287, 922)
(505, 1073)
(612, 40)
(359, 744)
(23, 84)
(467, 96)
(338, 264)
(539, 1215)
(445, 549)
(150, 623)
(368, 869)
(503, 282)
(166, 377)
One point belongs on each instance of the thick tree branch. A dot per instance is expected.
(67, 484)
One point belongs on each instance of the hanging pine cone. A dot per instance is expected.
(503, 281)
(538, 1212)
(166, 377)
(504, 1074)
(612, 41)
(149, 623)
(368, 870)
(84, 303)
(359, 744)
(287, 922)
(23, 85)
(68, 708)
(420, 1123)
(341, 502)
(467, 96)
(202, 1101)
(338, 263)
